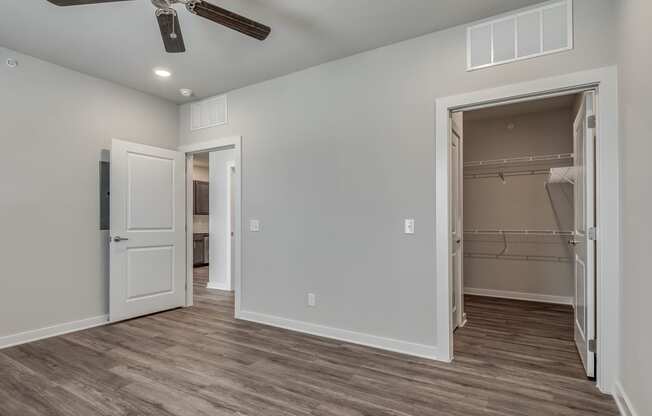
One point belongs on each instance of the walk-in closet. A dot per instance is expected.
(522, 197)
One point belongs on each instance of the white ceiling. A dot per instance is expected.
(121, 41)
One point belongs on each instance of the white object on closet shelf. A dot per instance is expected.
(562, 175)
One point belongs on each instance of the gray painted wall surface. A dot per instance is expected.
(336, 156)
(522, 202)
(54, 124)
(636, 91)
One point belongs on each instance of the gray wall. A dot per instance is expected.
(636, 92)
(521, 203)
(54, 125)
(336, 156)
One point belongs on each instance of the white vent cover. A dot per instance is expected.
(521, 35)
(208, 113)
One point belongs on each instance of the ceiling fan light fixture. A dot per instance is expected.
(186, 92)
(162, 73)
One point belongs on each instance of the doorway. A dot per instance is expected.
(213, 220)
(604, 82)
(523, 221)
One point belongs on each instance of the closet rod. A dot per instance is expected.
(552, 233)
(522, 159)
(518, 257)
(504, 174)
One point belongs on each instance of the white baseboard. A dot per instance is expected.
(389, 344)
(52, 331)
(533, 297)
(622, 401)
(219, 286)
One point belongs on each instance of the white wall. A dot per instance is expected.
(636, 92)
(219, 277)
(522, 202)
(54, 124)
(336, 156)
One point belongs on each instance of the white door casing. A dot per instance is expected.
(583, 240)
(148, 248)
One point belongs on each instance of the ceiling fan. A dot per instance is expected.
(168, 20)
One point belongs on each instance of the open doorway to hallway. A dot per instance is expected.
(213, 221)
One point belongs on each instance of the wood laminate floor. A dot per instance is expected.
(200, 276)
(512, 358)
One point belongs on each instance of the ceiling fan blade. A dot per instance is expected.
(171, 32)
(80, 2)
(229, 19)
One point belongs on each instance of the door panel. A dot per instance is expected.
(201, 193)
(583, 242)
(147, 230)
(150, 271)
(150, 190)
(457, 224)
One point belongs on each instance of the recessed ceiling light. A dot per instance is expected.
(186, 92)
(163, 73)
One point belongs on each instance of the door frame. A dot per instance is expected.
(234, 142)
(609, 208)
(231, 170)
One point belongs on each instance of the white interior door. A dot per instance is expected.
(148, 251)
(583, 241)
(457, 223)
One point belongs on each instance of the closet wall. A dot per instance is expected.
(536, 265)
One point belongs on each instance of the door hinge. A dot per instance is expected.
(590, 121)
(591, 346)
(592, 234)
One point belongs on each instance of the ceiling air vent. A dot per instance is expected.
(208, 113)
(523, 34)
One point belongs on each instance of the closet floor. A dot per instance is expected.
(513, 358)
(529, 345)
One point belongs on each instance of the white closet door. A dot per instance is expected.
(457, 232)
(583, 241)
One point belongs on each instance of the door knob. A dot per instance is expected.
(118, 239)
(572, 242)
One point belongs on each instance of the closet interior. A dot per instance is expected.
(518, 200)
(522, 255)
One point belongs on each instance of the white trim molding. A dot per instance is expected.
(52, 331)
(218, 286)
(532, 297)
(368, 340)
(608, 175)
(622, 401)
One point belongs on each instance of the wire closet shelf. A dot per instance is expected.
(516, 166)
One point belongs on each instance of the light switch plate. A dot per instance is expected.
(312, 300)
(409, 226)
(254, 226)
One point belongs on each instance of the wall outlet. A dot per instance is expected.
(254, 225)
(312, 300)
(409, 226)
